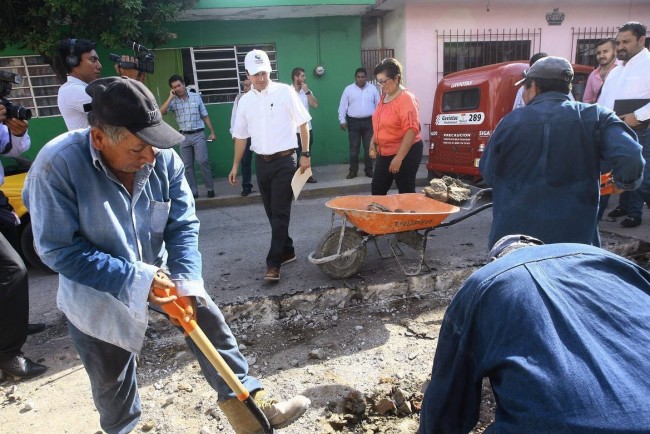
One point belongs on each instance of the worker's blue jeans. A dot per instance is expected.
(112, 370)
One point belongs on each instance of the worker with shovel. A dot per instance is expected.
(113, 214)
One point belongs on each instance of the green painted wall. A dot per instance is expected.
(203, 4)
(297, 42)
(296, 45)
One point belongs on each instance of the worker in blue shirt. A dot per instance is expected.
(543, 161)
(562, 331)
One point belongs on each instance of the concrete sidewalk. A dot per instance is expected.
(331, 182)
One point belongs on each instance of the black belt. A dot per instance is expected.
(191, 131)
(276, 155)
(360, 119)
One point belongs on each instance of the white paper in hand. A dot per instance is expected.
(298, 181)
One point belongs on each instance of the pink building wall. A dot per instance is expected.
(420, 51)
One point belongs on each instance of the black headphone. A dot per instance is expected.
(72, 59)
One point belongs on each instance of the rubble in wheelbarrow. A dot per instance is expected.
(377, 207)
(447, 189)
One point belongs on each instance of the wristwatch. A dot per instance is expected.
(308, 92)
(306, 154)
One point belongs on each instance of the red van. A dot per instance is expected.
(466, 109)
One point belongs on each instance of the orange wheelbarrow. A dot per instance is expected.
(342, 250)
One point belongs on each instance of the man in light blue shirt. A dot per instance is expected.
(111, 212)
(358, 103)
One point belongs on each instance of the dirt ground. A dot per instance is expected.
(364, 366)
(348, 361)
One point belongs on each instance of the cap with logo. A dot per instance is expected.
(257, 61)
(124, 102)
(550, 68)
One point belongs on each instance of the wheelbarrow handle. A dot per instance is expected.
(175, 310)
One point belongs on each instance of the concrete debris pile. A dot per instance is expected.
(368, 411)
(377, 207)
(448, 190)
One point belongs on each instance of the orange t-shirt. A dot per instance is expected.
(392, 120)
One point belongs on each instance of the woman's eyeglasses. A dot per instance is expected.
(382, 82)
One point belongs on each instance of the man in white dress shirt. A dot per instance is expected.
(358, 103)
(629, 81)
(269, 114)
(82, 66)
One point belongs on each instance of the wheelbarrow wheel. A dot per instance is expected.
(342, 267)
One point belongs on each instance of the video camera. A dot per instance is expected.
(144, 55)
(7, 80)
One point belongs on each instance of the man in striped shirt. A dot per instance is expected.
(192, 118)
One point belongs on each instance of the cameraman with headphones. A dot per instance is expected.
(82, 66)
(14, 289)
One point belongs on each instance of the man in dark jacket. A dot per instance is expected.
(543, 160)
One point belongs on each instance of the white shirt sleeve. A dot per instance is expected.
(343, 106)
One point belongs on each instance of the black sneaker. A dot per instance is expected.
(245, 192)
(631, 222)
(210, 193)
(617, 212)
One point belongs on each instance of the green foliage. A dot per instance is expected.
(38, 25)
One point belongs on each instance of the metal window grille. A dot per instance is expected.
(371, 58)
(217, 72)
(464, 49)
(40, 86)
(585, 40)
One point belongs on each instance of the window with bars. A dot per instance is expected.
(217, 72)
(585, 40)
(38, 91)
(465, 49)
(371, 58)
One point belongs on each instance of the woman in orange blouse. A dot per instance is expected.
(396, 144)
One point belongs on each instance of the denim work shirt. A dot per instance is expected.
(106, 243)
(544, 162)
(563, 333)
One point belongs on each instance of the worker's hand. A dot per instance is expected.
(189, 306)
(162, 293)
(232, 177)
(305, 163)
(17, 127)
(164, 284)
(630, 120)
(344, 127)
(3, 113)
(395, 165)
(212, 137)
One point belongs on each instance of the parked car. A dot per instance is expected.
(467, 107)
(15, 169)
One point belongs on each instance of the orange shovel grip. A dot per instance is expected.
(176, 308)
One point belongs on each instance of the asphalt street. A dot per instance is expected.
(235, 236)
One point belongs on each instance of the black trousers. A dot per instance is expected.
(359, 129)
(274, 181)
(382, 179)
(14, 301)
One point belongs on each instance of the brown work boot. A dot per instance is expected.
(279, 414)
